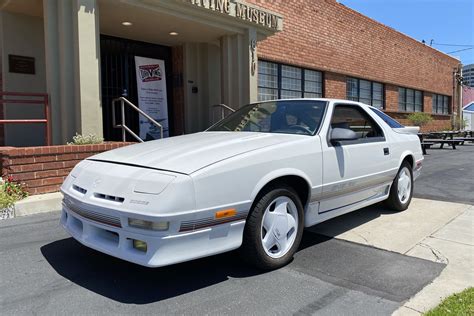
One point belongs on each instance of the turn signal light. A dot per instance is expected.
(148, 225)
(226, 213)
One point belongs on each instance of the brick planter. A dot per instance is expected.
(43, 169)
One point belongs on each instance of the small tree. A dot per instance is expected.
(420, 118)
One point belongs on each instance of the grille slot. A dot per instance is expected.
(111, 198)
(79, 189)
(92, 215)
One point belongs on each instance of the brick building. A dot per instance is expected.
(79, 55)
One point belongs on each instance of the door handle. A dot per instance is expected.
(386, 151)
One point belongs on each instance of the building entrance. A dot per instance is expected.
(119, 78)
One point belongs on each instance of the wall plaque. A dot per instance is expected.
(21, 64)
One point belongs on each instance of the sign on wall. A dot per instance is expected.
(242, 10)
(21, 64)
(152, 96)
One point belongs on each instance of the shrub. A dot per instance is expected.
(86, 140)
(420, 118)
(10, 192)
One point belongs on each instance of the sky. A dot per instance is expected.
(443, 21)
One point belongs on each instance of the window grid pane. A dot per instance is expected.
(283, 81)
(352, 89)
(418, 101)
(410, 100)
(365, 91)
(402, 106)
(445, 105)
(288, 94)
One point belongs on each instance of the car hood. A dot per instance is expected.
(189, 153)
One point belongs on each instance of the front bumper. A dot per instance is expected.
(107, 231)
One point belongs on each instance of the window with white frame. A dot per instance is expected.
(410, 100)
(278, 81)
(368, 92)
(440, 104)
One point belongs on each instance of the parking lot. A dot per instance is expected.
(448, 175)
(369, 262)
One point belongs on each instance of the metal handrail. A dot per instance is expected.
(222, 105)
(124, 127)
(31, 98)
(223, 108)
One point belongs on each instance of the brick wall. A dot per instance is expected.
(391, 98)
(43, 169)
(334, 85)
(328, 36)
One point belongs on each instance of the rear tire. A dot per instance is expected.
(274, 228)
(401, 191)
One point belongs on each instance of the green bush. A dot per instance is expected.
(86, 140)
(420, 118)
(10, 192)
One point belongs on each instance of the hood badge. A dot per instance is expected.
(96, 183)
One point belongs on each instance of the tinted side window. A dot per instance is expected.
(354, 118)
(387, 119)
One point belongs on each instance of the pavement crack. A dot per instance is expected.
(438, 255)
(365, 239)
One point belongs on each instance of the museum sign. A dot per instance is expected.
(243, 11)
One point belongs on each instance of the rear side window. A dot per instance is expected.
(387, 119)
(356, 119)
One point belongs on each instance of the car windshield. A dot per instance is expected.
(288, 117)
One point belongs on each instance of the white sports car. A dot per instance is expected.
(252, 181)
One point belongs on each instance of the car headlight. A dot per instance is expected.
(148, 225)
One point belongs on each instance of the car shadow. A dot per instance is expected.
(129, 283)
(343, 223)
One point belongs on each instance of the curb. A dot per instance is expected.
(36, 204)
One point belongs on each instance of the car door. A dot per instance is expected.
(357, 170)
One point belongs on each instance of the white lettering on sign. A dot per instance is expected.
(241, 10)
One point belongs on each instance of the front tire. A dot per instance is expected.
(274, 228)
(401, 191)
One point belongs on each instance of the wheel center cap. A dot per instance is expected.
(281, 226)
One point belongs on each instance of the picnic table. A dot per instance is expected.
(427, 141)
(445, 134)
(467, 133)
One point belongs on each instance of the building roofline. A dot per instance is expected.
(341, 5)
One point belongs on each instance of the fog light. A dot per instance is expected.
(157, 226)
(139, 245)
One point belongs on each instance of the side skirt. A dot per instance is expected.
(314, 215)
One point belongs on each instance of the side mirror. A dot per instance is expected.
(342, 134)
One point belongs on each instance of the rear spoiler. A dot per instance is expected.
(407, 130)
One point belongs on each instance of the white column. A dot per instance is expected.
(50, 9)
(87, 67)
(72, 42)
(239, 55)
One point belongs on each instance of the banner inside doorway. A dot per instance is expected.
(152, 97)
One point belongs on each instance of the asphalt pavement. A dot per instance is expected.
(45, 272)
(447, 175)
